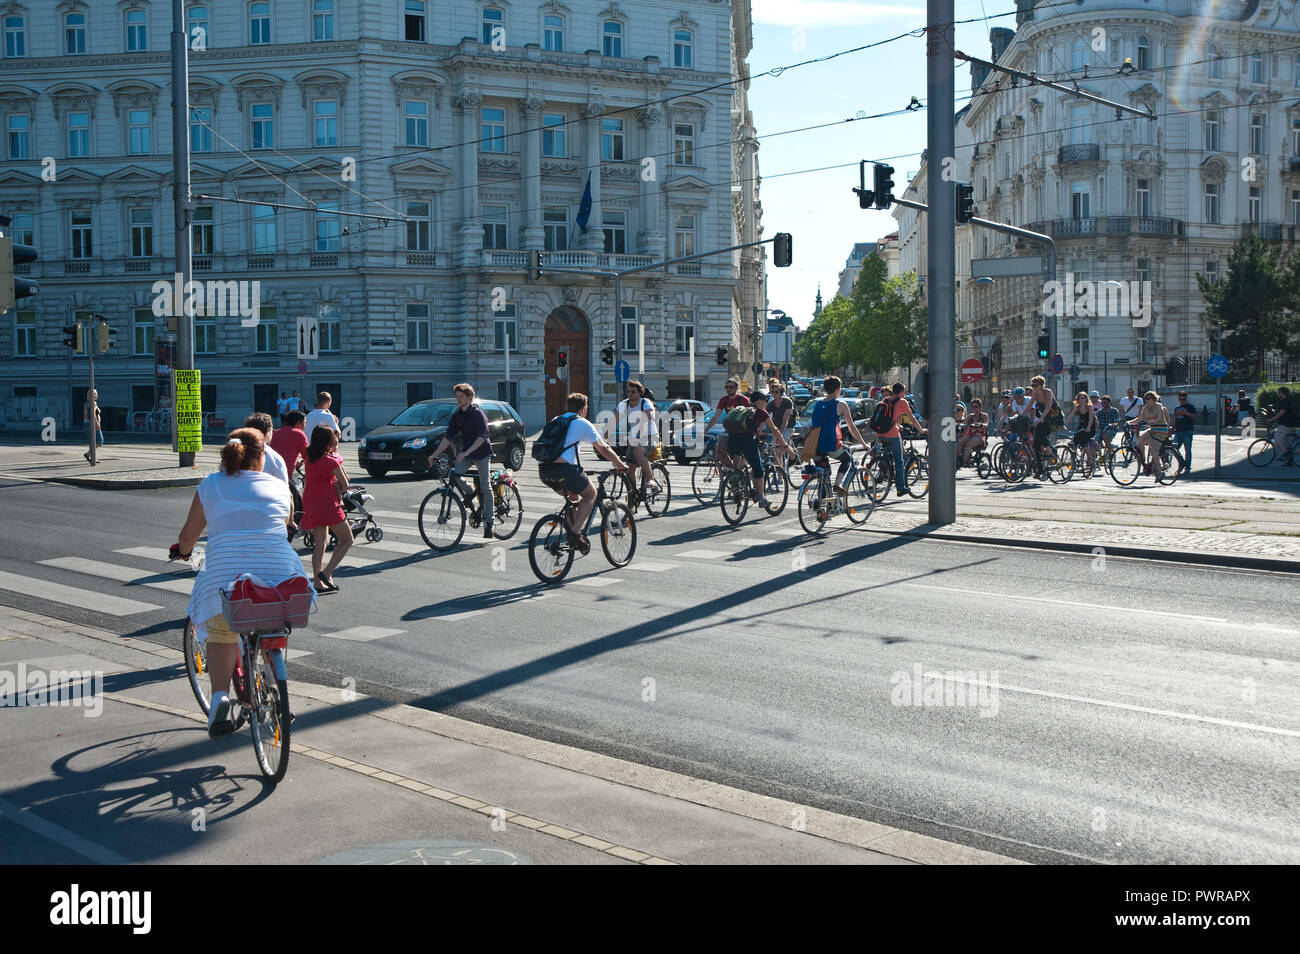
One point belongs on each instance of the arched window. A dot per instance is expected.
(683, 49)
(1144, 54)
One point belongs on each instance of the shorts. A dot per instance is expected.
(564, 478)
(1083, 438)
(220, 633)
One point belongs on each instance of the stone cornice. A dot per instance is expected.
(1214, 169)
(650, 116)
(259, 88)
(592, 110)
(66, 100)
(136, 97)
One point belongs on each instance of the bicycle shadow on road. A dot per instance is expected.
(493, 599)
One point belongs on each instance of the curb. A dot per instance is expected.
(108, 483)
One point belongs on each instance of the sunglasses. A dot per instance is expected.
(731, 387)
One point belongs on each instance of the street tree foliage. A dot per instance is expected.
(1258, 302)
(812, 350)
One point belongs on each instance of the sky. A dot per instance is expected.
(818, 208)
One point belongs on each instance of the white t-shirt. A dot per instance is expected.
(637, 423)
(1019, 407)
(273, 463)
(318, 418)
(282, 406)
(1130, 406)
(580, 431)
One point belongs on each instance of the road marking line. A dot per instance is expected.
(1091, 606)
(754, 542)
(298, 653)
(348, 561)
(114, 571)
(57, 833)
(705, 554)
(594, 581)
(654, 566)
(73, 595)
(152, 553)
(363, 634)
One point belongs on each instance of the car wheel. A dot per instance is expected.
(515, 456)
(377, 472)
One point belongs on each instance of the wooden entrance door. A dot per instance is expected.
(566, 330)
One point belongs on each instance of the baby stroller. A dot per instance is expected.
(358, 517)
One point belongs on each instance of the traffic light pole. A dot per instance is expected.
(181, 185)
(92, 427)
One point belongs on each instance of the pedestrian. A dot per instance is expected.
(290, 442)
(322, 505)
(282, 407)
(1130, 404)
(900, 411)
(1184, 427)
(295, 403)
(1245, 410)
(470, 424)
(91, 412)
(321, 415)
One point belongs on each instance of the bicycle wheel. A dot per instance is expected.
(1171, 465)
(735, 497)
(1015, 464)
(614, 484)
(1060, 464)
(1124, 466)
(858, 505)
(442, 519)
(196, 664)
(813, 508)
(705, 480)
(918, 476)
(508, 513)
(656, 501)
(268, 719)
(983, 466)
(1262, 452)
(549, 552)
(776, 488)
(881, 477)
(617, 533)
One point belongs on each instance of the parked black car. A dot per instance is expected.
(405, 442)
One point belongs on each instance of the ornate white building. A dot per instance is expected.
(475, 126)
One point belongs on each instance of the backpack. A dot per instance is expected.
(882, 418)
(550, 443)
(737, 420)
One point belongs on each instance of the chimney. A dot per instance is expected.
(1001, 38)
(978, 73)
(1024, 11)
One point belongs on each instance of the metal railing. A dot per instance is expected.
(1078, 152)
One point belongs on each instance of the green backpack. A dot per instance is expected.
(737, 420)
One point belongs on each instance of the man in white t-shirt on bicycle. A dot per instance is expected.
(565, 476)
(634, 419)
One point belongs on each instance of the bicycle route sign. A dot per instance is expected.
(1217, 366)
(622, 371)
(189, 412)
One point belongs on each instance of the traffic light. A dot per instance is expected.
(785, 372)
(534, 266)
(884, 186)
(607, 352)
(72, 338)
(563, 360)
(107, 337)
(14, 253)
(783, 249)
(965, 201)
(1044, 345)
(721, 357)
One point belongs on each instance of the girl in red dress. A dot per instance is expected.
(324, 480)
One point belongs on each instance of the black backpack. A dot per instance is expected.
(882, 418)
(550, 443)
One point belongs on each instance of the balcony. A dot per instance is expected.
(76, 268)
(201, 263)
(1065, 227)
(1269, 231)
(515, 258)
(325, 261)
(1078, 152)
(422, 259)
(1143, 225)
(138, 265)
(260, 262)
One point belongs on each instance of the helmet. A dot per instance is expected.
(1017, 392)
(1094, 394)
(1006, 393)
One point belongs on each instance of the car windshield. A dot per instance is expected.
(428, 414)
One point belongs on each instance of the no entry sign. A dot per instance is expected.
(972, 369)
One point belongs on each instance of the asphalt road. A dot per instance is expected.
(1111, 710)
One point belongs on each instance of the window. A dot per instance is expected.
(614, 222)
(21, 230)
(508, 391)
(74, 33)
(1082, 269)
(205, 334)
(327, 227)
(81, 230)
(1255, 203)
(1215, 65)
(263, 228)
(1295, 70)
(1212, 203)
(505, 330)
(1079, 345)
(1080, 129)
(19, 129)
(196, 27)
(137, 31)
(1256, 67)
(555, 226)
(78, 135)
(631, 341)
(684, 144)
(25, 334)
(418, 391)
(685, 330)
(414, 24)
(325, 115)
(554, 135)
(683, 234)
(1144, 197)
(141, 233)
(1078, 55)
(494, 26)
(263, 125)
(137, 132)
(15, 37)
(1144, 53)
(201, 233)
(682, 45)
(417, 328)
(553, 33)
(1211, 126)
(331, 330)
(612, 38)
(492, 130)
(266, 336)
(142, 331)
(1080, 205)
(1143, 269)
(611, 139)
(200, 129)
(1257, 134)
(494, 226)
(416, 113)
(1295, 207)
(1211, 271)
(1295, 136)
(322, 19)
(259, 23)
(417, 226)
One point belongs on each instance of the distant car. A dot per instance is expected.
(859, 409)
(850, 393)
(405, 442)
(687, 444)
(676, 414)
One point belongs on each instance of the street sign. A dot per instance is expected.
(1217, 366)
(1058, 364)
(622, 371)
(302, 367)
(1006, 267)
(308, 337)
(972, 369)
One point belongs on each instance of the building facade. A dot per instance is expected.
(470, 132)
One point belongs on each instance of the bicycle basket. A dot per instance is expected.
(251, 605)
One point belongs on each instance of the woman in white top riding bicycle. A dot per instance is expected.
(246, 512)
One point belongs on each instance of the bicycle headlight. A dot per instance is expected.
(415, 443)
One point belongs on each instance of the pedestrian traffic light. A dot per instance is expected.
(534, 266)
(884, 186)
(107, 337)
(965, 201)
(607, 352)
(72, 338)
(563, 360)
(1044, 346)
(783, 249)
(721, 356)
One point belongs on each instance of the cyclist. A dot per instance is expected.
(564, 474)
(1130, 404)
(637, 417)
(1002, 413)
(1107, 420)
(827, 414)
(1019, 401)
(1095, 398)
(977, 426)
(1286, 419)
(1155, 417)
(470, 424)
(782, 410)
(1085, 434)
(1046, 415)
(732, 399)
(900, 411)
(746, 443)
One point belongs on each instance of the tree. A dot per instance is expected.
(811, 350)
(1253, 301)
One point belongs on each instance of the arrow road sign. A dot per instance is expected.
(622, 371)
(308, 337)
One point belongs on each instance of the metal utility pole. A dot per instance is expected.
(181, 180)
(942, 270)
(757, 351)
(91, 428)
(1218, 410)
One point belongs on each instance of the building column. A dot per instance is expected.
(530, 171)
(470, 240)
(591, 112)
(650, 237)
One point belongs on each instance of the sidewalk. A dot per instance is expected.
(369, 782)
(118, 466)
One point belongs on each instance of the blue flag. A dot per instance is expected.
(584, 207)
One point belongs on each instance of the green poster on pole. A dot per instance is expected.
(189, 412)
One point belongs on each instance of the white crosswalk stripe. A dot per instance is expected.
(594, 581)
(705, 554)
(73, 595)
(363, 634)
(117, 572)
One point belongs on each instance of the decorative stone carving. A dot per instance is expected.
(612, 12)
(570, 293)
(559, 168)
(684, 21)
(254, 91)
(69, 100)
(593, 110)
(1214, 169)
(134, 98)
(468, 99)
(498, 164)
(323, 89)
(417, 89)
(531, 105)
(650, 115)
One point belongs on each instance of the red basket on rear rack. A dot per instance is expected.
(250, 606)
